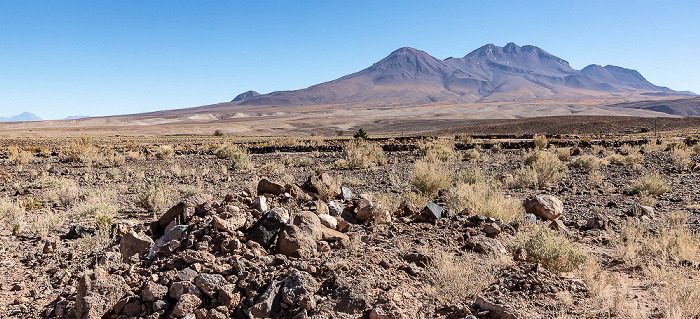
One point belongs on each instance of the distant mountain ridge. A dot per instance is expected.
(490, 73)
(24, 117)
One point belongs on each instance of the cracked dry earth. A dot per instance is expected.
(293, 243)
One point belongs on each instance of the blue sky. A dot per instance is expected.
(61, 58)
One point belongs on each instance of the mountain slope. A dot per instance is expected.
(24, 117)
(410, 77)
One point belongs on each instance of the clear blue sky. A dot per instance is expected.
(62, 57)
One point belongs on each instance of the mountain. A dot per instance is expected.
(24, 117)
(75, 117)
(513, 73)
(245, 96)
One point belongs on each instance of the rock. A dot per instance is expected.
(77, 231)
(182, 211)
(161, 305)
(153, 291)
(198, 256)
(343, 226)
(179, 288)
(641, 210)
(175, 233)
(328, 221)
(134, 243)
(132, 309)
(364, 209)
(309, 223)
(495, 311)
(421, 260)
(297, 193)
(334, 209)
(260, 203)
(50, 246)
(485, 245)
(558, 225)
(351, 295)
(545, 206)
(531, 218)
(432, 211)
(186, 305)
(228, 296)
(267, 305)
(346, 193)
(520, 255)
(333, 235)
(492, 230)
(220, 224)
(98, 292)
(406, 208)
(324, 185)
(295, 242)
(575, 151)
(266, 186)
(209, 283)
(265, 230)
(599, 221)
(299, 289)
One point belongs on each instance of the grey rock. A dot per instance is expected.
(295, 242)
(260, 203)
(176, 233)
(485, 245)
(98, 292)
(186, 274)
(267, 305)
(351, 295)
(432, 210)
(346, 193)
(299, 289)
(209, 283)
(495, 311)
(134, 243)
(334, 209)
(153, 291)
(179, 288)
(531, 218)
(309, 223)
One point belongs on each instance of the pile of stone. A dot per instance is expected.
(250, 255)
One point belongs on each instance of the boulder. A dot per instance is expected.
(598, 221)
(328, 221)
(324, 185)
(485, 245)
(295, 242)
(545, 206)
(98, 292)
(153, 291)
(432, 211)
(260, 203)
(299, 289)
(267, 305)
(209, 283)
(266, 186)
(265, 230)
(186, 305)
(182, 211)
(492, 230)
(351, 295)
(309, 223)
(228, 296)
(333, 235)
(346, 193)
(364, 209)
(175, 233)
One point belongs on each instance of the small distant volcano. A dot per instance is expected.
(24, 117)
(245, 95)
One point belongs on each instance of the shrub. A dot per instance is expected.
(564, 154)
(18, 156)
(53, 182)
(540, 141)
(94, 207)
(42, 224)
(544, 166)
(360, 154)
(496, 148)
(360, 134)
(238, 156)
(625, 159)
(471, 175)
(552, 250)
(458, 278)
(218, 133)
(11, 213)
(653, 184)
(471, 154)
(588, 163)
(429, 178)
(434, 151)
(156, 196)
(306, 161)
(680, 157)
(164, 152)
(484, 199)
(81, 151)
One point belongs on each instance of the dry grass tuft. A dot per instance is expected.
(164, 152)
(11, 213)
(156, 196)
(437, 151)
(81, 151)
(483, 198)
(540, 141)
(428, 177)
(541, 169)
(458, 278)
(653, 184)
(553, 250)
(680, 157)
(588, 163)
(240, 160)
(359, 154)
(18, 156)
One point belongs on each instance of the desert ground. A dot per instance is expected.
(593, 222)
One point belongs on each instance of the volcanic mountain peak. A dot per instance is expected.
(245, 96)
(411, 77)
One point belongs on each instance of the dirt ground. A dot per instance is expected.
(405, 265)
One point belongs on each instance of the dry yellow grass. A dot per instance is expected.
(359, 154)
(429, 177)
(483, 198)
(458, 278)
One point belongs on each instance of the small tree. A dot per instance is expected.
(360, 134)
